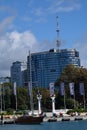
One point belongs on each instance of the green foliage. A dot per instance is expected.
(69, 74)
(73, 74)
(19, 112)
(10, 111)
(70, 103)
(76, 75)
(59, 101)
(76, 110)
(22, 98)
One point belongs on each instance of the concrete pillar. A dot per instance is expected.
(53, 104)
(39, 97)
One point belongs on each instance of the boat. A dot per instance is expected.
(30, 118)
(78, 118)
(65, 119)
(52, 120)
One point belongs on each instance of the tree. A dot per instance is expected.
(76, 75)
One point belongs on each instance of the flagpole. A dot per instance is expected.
(52, 96)
(62, 90)
(72, 91)
(15, 94)
(1, 96)
(64, 100)
(84, 98)
(1, 103)
(82, 92)
(16, 101)
(74, 100)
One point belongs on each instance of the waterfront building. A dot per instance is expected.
(18, 70)
(47, 66)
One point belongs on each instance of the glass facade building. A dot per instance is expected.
(47, 66)
(19, 73)
(16, 74)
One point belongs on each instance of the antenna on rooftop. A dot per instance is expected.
(57, 30)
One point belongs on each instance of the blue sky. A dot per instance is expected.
(31, 24)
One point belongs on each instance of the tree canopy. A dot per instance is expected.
(69, 74)
(76, 75)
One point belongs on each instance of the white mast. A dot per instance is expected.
(31, 93)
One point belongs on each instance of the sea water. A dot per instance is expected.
(66, 125)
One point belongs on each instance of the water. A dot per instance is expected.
(71, 125)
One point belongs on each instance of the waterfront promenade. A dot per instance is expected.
(62, 116)
(49, 119)
(9, 119)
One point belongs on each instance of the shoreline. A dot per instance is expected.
(64, 118)
(11, 120)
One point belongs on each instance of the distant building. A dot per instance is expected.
(24, 78)
(47, 66)
(4, 80)
(17, 71)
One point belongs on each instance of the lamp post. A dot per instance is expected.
(39, 97)
(53, 104)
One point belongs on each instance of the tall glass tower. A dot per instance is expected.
(16, 74)
(19, 73)
(47, 66)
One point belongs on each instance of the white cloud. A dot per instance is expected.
(6, 23)
(81, 46)
(56, 6)
(63, 6)
(15, 46)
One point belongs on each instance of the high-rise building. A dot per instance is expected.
(18, 70)
(47, 66)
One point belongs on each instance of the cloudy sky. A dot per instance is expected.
(31, 25)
